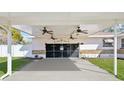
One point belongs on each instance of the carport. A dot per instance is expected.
(62, 18)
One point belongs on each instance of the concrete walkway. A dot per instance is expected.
(61, 70)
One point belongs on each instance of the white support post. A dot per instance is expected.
(9, 54)
(115, 50)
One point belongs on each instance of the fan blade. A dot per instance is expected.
(50, 31)
(53, 38)
(43, 33)
(85, 31)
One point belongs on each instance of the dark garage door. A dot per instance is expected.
(62, 50)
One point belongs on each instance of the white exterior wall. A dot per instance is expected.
(119, 46)
(94, 44)
(26, 50)
(97, 43)
(89, 44)
(37, 42)
(38, 45)
(17, 50)
(119, 42)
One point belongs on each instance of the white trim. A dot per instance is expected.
(115, 50)
(56, 18)
(108, 40)
(101, 36)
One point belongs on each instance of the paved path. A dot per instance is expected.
(61, 69)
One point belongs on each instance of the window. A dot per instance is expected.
(122, 43)
(108, 42)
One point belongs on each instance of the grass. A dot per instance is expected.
(17, 64)
(108, 64)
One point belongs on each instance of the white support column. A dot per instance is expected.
(115, 50)
(9, 54)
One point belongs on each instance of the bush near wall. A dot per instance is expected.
(38, 51)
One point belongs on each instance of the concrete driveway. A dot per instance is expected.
(61, 70)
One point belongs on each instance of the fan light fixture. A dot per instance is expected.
(61, 48)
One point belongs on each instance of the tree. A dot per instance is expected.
(3, 37)
(16, 35)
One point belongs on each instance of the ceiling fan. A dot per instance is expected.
(81, 31)
(53, 38)
(71, 37)
(45, 31)
(77, 31)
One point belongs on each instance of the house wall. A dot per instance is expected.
(38, 48)
(119, 42)
(17, 50)
(93, 47)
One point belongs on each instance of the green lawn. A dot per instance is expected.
(107, 64)
(17, 64)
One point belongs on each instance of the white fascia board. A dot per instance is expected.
(101, 36)
(119, 35)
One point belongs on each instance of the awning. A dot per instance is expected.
(109, 40)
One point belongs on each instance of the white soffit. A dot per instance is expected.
(62, 18)
(109, 40)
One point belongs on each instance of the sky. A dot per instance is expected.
(26, 37)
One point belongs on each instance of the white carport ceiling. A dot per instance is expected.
(62, 18)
